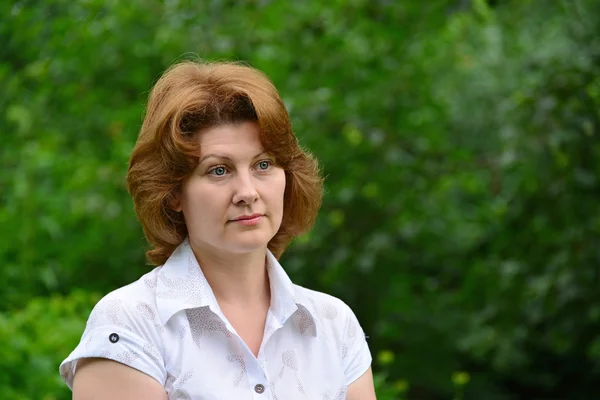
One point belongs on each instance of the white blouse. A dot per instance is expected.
(169, 326)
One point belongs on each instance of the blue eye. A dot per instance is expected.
(264, 165)
(219, 171)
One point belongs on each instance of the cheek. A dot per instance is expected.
(198, 203)
(188, 199)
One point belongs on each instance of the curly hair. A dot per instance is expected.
(191, 96)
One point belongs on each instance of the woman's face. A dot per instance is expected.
(233, 201)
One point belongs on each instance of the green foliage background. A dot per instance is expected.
(460, 144)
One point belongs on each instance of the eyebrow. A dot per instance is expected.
(223, 157)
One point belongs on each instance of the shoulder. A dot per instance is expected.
(123, 327)
(319, 301)
(331, 313)
(130, 306)
(144, 287)
(338, 325)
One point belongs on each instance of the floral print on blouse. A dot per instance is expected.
(169, 326)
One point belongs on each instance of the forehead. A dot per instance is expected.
(230, 137)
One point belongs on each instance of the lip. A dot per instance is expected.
(248, 217)
(249, 220)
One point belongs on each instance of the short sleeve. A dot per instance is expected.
(356, 355)
(124, 331)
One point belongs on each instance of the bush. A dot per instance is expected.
(35, 340)
(459, 141)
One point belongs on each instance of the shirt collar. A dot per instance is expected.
(181, 285)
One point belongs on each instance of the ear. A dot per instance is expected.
(175, 202)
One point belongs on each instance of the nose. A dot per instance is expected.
(245, 190)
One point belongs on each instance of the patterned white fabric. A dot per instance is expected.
(168, 325)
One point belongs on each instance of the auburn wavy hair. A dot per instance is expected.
(194, 95)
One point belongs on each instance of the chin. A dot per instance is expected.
(246, 248)
(249, 244)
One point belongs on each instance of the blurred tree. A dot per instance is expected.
(460, 145)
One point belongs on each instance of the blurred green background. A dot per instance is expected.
(460, 143)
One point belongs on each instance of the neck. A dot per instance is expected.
(236, 279)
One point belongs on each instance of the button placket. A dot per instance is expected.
(257, 377)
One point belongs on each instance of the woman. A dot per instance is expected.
(221, 187)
